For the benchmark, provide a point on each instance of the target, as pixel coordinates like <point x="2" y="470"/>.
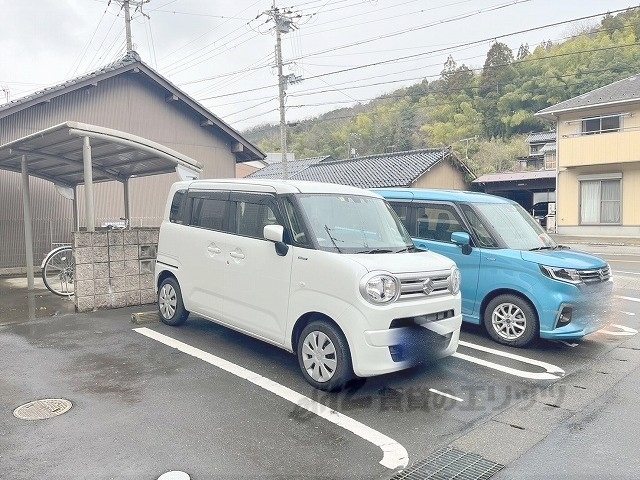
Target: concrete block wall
<point x="114" y="268"/>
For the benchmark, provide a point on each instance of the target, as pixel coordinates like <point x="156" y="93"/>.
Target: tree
<point x="523" y="51"/>
<point x="497" y="68"/>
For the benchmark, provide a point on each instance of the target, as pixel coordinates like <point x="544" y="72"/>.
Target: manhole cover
<point x="42" y="409"/>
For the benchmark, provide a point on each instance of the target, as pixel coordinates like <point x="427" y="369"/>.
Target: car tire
<point x="324" y="356"/>
<point x="170" y="305"/>
<point x="511" y="320"/>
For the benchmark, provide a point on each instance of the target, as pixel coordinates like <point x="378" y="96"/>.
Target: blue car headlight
<point x="568" y="275"/>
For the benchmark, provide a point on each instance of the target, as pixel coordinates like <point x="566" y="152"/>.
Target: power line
<point x="422" y="54"/>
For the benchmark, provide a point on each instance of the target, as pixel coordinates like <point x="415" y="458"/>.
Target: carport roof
<point x="56" y="154"/>
<point x="515" y="176"/>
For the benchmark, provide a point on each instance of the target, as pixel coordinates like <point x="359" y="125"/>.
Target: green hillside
<point x="484" y="114"/>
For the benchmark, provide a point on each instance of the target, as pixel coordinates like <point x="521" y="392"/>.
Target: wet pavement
<point x="19" y="304"/>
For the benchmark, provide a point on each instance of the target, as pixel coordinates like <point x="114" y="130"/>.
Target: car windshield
<point x="354" y="224"/>
<point x="514" y="226"/>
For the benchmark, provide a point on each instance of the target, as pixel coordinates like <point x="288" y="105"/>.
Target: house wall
<point x="129" y="102"/>
<point x="603" y="148"/>
<point x="442" y="175"/>
<point x="598" y="154"/>
<point x="568" y="201"/>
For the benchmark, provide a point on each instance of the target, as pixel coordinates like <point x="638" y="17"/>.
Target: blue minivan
<point x="515" y="279"/>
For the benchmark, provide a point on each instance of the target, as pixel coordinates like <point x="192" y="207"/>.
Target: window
<point x="401" y="210"/>
<point x="550" y="161"/>
<point x="251" y="218"/>
<point x="600" y="201"/>
<point x="298" y="233"/>
<point x="484" y="237"/>
<point x="609" y="123"/>
<point x="437" y="222"/>
<point x="208" y="213"/>
<point x="176" y="204"/>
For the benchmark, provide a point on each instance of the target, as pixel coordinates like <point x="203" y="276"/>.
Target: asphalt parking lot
<point x="149" y="399"/>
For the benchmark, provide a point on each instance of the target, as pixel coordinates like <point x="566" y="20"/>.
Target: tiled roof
<point x="549" y="147"/>
<point x="274" y="170"/>
<point x="400" y="169"/>
<point x="539" y="137"/>
<point x="622" y="91"/>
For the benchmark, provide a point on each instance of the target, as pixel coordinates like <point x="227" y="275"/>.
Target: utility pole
<point x="475" y="137"/>
<point x="281" y="93"/>
<point x="283" y="24"/>
<point x="127" y="17"/>
<point x="127" y="26"/>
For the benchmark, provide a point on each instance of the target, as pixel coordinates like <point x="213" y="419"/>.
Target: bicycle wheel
<point x="57" y="271"/>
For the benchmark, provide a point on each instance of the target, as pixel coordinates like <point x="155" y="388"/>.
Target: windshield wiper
<point x="333" y="240"/>
<point x="409" y="248"/>
<point x="376" y="250"/>
<point x="541" y="248"/>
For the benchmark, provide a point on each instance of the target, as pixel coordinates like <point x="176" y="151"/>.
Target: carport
<point x="72" y="154"/>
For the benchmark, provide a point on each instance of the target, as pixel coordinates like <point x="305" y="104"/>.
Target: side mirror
<point x="275" y="233"/>
<point x="462" y="239"/>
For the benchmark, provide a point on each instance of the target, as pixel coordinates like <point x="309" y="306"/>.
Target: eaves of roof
<point x="131" y="62"/>
<point x="618" y="93"/>
<point x="539" y="137"/>
<point x="514" y="176"/>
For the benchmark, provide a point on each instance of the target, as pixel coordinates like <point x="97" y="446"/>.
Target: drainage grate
<point x="42" y="409"/>
<point x="450" y="464"/>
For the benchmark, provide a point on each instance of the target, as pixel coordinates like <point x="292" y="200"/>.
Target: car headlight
<point x="454" y="280"/>
<point x="379" y="288"/>
<point x="568" y="275"/>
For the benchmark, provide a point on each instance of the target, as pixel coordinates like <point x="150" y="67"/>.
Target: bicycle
<point x="58" y="271"/>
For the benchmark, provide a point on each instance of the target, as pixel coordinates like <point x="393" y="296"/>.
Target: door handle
<point x="237" y="255"/>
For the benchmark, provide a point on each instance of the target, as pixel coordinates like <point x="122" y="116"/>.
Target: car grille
<point x="595" y="276"/>
<point x="424" y="284"/>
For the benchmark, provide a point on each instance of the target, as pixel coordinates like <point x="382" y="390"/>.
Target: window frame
<point x="583" y="179"/>
<point x="592" y="120"/>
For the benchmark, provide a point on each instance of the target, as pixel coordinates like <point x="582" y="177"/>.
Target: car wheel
<point x="324" y="357"/>
<point x="170" y="306"/>
<point x="511" y="320"/>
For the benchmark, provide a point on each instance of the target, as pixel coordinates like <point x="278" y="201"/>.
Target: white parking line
<point x="626" y="273"/>
<point x="624" y="331"/>
<point x="631" y="314"/>
<point x="631" y="299"/>
<point x="552" y="372"/>
<point x="394" y="454"/>
<point x="457" y="399"/>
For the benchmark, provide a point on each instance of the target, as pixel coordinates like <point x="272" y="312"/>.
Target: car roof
<point x="409" y="194"/>
<point x="271" y="185"/>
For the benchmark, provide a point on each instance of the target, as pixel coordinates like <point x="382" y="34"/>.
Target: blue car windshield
<point x="515" y="228"/>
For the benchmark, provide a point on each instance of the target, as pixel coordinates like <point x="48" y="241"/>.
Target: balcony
<point x="621" y="146"/>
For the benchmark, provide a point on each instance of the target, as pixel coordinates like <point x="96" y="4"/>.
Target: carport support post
<point x="76" y="220"/>
<point x="88" y="185"/>
<point x="28" y="232"/>
<point x="127" y="205"/>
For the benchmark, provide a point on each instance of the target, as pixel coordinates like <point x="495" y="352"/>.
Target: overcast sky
<point x="221" y="52"/>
